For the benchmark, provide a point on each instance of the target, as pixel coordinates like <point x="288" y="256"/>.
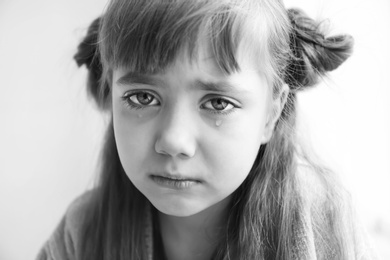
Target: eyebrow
<point x="215" y="86"/>
<point x="138" y="78"/>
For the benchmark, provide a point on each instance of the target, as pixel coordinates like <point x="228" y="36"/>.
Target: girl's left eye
<point x="141" y="99"/>
<point x="219" y="105"/>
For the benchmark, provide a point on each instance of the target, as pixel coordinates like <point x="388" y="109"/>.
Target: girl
<point x="200" y="159"/>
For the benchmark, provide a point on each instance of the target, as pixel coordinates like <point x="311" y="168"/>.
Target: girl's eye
<point x="141" y="99"/>
<point x="219" y="105"/>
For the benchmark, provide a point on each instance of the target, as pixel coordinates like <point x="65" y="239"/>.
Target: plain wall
<point x="50" y="134"/>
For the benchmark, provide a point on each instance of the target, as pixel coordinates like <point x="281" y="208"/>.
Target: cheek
<point x="133" y="142"/>
<point x="234" y="148"/>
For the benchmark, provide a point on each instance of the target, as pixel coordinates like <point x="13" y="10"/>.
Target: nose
<point x="175" y="135"/>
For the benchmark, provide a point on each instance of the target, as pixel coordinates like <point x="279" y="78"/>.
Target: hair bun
<point x="313" y="54"/>
<point x="88" y="54"/>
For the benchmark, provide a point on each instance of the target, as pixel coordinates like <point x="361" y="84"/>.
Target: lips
<point x="174" y="181"/>
<point x="177" y="177"/>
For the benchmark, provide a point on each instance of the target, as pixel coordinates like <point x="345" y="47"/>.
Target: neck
<point x="194" y="237"/>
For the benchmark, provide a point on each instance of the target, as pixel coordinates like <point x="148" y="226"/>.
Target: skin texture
<point x="166" y="124"/>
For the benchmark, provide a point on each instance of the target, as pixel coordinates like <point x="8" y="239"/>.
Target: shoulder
<point x="77" y="211"/>
<point x="322" y="193"/>
<point x="329" y="215"/>
<point x="65" y="241"/>
<point x="312" y="184"/>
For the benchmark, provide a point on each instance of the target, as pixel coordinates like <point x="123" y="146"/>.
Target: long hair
<point x="268" y="207"/>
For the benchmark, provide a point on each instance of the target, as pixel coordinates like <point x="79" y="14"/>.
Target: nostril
<point x="181" y="146"/>
<point x="161" y="152"/>
<point x="174" y="135"/>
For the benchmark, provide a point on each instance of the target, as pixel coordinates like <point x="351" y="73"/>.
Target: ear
<point x="276" y="108"/>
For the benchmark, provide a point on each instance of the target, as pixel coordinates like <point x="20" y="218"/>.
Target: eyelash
<point x="220" y="112"/>
<point x="126" y="98"/>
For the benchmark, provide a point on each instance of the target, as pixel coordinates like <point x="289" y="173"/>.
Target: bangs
<point x="146" y="36"/>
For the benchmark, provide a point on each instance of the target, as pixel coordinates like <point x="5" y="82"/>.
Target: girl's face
<point x="188" y="137"/>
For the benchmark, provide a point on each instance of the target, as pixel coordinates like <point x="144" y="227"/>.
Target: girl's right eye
<point x="140" y="99"/>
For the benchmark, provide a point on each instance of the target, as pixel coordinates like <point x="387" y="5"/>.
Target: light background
<point x="50" y="135"/>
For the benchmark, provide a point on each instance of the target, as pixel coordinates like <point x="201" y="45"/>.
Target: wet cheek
<point x="243" y="130"/>
<point x="233" y="149"/>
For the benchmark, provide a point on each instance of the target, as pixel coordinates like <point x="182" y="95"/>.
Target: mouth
<point x="174" y="181"/>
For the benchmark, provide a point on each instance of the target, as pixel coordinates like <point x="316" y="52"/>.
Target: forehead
<point x="204" y="60"/>
<point x="199" y="74"/>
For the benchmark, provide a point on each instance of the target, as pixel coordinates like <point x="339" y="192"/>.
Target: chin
<point x="177" y="209"/>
